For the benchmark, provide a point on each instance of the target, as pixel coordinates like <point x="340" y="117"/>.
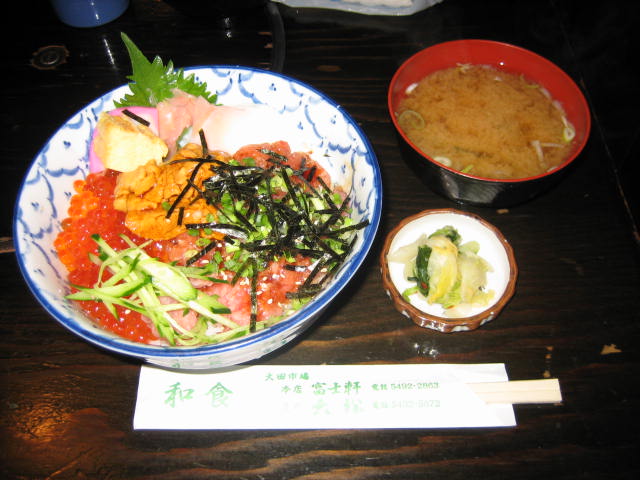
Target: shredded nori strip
<point x="274" y="156"/>
<point x="135" y="117"/>
<point x="203" y="143"/>
<point x="248" y="262"/>
<point x="349" y="228"/>
<point x="309" y="174"/>
<point x="186" y="188"/>
<point x="248" y="207"/>
<point x="201" y="253"/>
<point x="324" y="185"/>
<point x="229" y="228"/>
<point x="304" y="293"/>
<point x="316" y="270"/>
<point x="253" y="319"/>
<point x="295" y="268"/>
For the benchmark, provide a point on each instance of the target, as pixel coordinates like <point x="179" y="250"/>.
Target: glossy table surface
<point x="66" y="407"/>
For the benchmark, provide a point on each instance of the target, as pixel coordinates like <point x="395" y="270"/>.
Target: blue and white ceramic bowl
<point x="313" y="122"/>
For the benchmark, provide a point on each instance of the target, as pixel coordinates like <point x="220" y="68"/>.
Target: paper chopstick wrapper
<point x="335" y="396"/>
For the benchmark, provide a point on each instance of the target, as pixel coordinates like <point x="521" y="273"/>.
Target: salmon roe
<point x="91" y="212"/>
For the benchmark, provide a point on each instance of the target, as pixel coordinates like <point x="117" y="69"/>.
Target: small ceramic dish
<point x="494" y="248"/>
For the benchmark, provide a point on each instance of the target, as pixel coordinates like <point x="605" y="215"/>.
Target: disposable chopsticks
<point x="519" y="391"/>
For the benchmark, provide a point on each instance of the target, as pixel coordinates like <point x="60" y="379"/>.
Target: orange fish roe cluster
<point x="91" y="212"/>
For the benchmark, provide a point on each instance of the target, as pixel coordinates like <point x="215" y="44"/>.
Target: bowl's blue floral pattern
<point x="317" y="123"/>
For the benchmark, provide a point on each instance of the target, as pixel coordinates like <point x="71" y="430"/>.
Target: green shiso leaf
<point x="152" y="82"/>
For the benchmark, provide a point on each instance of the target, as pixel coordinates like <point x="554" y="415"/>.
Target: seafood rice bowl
<point x="266" y="126"/>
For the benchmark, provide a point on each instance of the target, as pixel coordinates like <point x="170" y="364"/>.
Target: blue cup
<point x="88" y="13"/>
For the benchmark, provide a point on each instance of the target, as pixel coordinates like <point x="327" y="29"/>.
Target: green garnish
<point x="152" y="82"/>
<point x="421" y="274"/>
<point x="138" y="281"/>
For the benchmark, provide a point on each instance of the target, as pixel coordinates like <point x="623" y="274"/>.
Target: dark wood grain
<point x="67" y="407"/>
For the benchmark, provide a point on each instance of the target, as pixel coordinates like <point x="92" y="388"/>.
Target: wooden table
<point x="67" y="407"/>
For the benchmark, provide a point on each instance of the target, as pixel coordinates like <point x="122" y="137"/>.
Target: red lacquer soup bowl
<point x="465" y="187"/>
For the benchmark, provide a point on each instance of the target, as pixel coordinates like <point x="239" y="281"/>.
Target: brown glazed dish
<point x="505" y="268"/>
